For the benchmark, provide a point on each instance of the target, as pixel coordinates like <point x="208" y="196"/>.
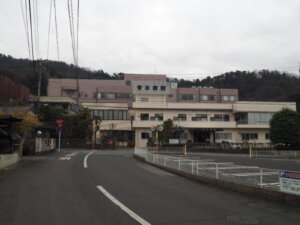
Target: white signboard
<point x="289" y="182"/>
<point x="173" y="141"/>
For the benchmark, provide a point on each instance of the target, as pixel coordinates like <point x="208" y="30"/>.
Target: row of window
<point x="183" y="117"/>
<point x="104" y="95"/>
<point x="110" y="114"/>
<point x="156" y="117"/>
<point x="154" y="87"/>
<point x="254" y="118"/>
<point x="223" y="136"/>
<point x="207" y="97"/>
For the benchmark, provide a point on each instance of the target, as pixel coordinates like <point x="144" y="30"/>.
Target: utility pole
<point x="39" y="86"/>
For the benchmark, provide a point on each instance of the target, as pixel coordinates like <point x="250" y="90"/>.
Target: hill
<point x="21" y="71"/>
<point x="261" y="85"/>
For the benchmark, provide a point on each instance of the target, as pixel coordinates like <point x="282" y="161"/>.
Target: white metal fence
<point x="276" y="154"/>
<point x="227" y="171"/>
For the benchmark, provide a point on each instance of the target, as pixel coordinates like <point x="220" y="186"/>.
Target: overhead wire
<point x="74" y="39"/>
<point x="56" y="30"/>
<point x="31" y="30"/>
<point x="25" y="22"/>
<point x="49" y="28"/>
<point x="36" y="27"/>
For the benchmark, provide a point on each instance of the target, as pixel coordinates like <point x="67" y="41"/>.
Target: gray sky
<point x="194" y="37"/>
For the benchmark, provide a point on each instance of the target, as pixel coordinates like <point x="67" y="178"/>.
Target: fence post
<point x="261" y="176"/>
<point x="217" y="171"/>
<point x="179" y="164"/>
<point x="197" y="168"/>
<point x="192" y="167"/>
<point x="164" y="160"/>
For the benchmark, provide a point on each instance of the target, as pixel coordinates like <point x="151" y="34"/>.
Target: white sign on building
<point x="173" y="141"/>
<point x="289" y="182"/>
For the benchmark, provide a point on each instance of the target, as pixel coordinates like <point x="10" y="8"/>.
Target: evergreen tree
<point x="285" y="127"/>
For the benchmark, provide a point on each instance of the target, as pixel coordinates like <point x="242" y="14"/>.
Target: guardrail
<point x="227" y="171"/>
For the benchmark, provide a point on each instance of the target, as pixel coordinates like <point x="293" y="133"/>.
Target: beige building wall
<point x="139" y="142"/>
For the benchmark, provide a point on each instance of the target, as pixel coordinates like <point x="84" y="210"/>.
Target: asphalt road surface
<point x="117" y="189"/>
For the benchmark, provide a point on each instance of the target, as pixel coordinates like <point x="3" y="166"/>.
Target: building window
<point x="182" y="117"/>
<point x="128" y="83"/>
<point x="223" y="136"/>
<point x="267" y="137"/>
<point x="154" y="88"/>
<point x="144" y="99"/>
<point x="162" y="88"/>
<point x="249" y="136"/>
<point x="159" y="117"/>
<point x="200" y="117"/>
<point x="144" y="116"/>
<point x="147" y="87"/>
<point x="114" y="95"/>
<point x="139" y="87"/>
<point x="220" y="117"/>
<point x="110" y="114"/>
<point x="208" y="97"/>
<point x="187" y="97"/>
<point x="259" y="117"/>
<point x="145" y="135"/>
<point x="228" y="97"/>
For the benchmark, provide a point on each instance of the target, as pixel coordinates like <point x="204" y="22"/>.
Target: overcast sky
<point x="192" y="37"/>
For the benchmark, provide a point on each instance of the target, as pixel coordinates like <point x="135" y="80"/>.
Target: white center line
<point x="85" y="159"/>
<point x="132" y="214"/>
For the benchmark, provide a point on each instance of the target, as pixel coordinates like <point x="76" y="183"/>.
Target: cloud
<point x="169" y="36"/>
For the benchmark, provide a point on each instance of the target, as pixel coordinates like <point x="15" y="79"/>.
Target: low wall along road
<point x="7" y="160"/>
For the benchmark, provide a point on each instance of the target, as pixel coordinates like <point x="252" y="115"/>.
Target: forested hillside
<point x="261" y="85"/>
<point x="21" y="71"/>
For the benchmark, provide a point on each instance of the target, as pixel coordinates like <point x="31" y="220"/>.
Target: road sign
<point x="59" y="122"/>
<point x="289" y="182"/>
<point x="59" y="129"/>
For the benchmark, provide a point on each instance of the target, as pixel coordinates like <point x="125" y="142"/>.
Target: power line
<point x="36" y="27"/>
<point x="74" y="39"/>
<point x="25" y="22"/>
<point x="77" y="29"/>
<point x="31" y="30"/>
<point x="56" y="29"/>
<point x="49" y="29"/>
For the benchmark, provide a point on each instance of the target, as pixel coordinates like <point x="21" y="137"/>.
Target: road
<point x="239" y="159"/>
<point x="115" y="189"/>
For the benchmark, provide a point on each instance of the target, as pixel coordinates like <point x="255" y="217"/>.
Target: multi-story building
<point x="127" y="109"/>
<point x="9" y="91"/>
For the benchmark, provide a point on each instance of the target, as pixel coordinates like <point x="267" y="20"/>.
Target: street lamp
<point x="156" y="129"/>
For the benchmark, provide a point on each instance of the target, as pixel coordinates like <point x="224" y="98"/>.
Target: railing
<point x="276" y="154"/>
<point x="227" y="171"/>
<point x="178" y="149"/>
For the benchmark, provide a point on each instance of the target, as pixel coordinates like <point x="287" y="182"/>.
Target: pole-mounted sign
<point x="59" y="129"/>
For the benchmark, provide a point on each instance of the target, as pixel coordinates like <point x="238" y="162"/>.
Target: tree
<point x="285" y="127"/>
<point x="169" y="131"/>
<point x="28" y="123"/>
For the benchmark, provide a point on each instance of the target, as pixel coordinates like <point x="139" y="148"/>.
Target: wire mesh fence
<point x="227" y="171"/>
